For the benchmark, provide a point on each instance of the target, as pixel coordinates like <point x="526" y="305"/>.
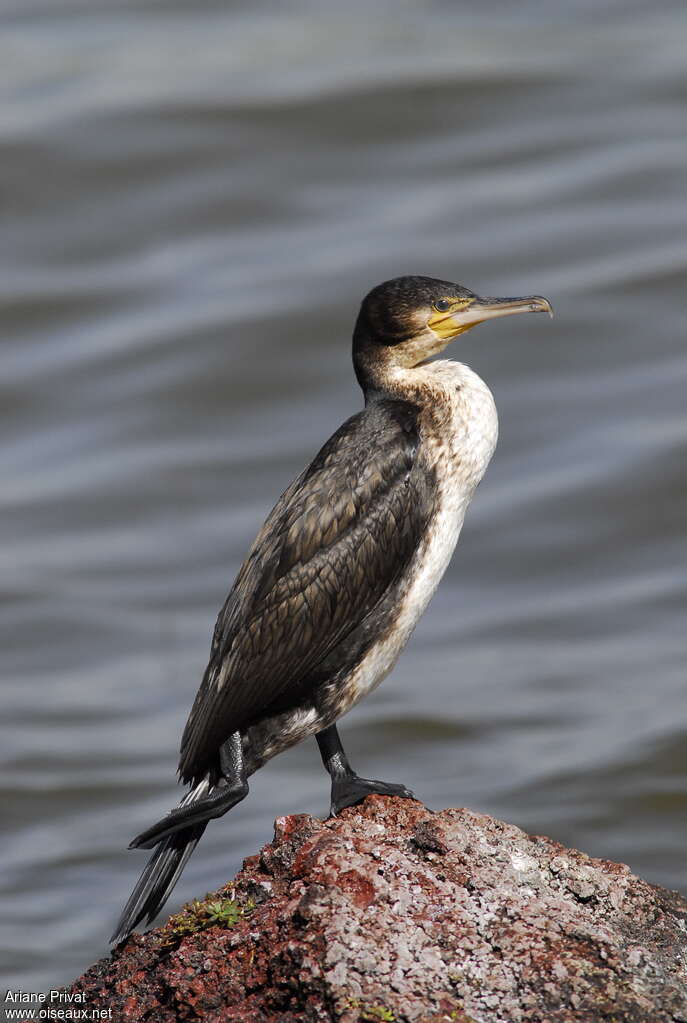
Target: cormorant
<point x="342" y="569"/>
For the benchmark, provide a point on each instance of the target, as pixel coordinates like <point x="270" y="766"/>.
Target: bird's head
<point x="407" y="320"/>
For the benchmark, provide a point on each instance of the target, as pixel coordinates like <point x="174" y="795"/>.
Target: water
<point x="195" y="200"/>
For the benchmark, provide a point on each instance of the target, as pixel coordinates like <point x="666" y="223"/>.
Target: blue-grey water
<point x="195" y="197"/>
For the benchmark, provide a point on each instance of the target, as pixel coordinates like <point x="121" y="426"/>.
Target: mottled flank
<point x="391" y="912"/>
<point x="334" y="544"/>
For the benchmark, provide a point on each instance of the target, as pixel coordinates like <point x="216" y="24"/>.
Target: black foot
<point x="200" y="812"/>
<point x="352" y="789"/>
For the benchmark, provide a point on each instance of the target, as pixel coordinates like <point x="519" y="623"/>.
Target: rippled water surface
<point x="195" y="198"/>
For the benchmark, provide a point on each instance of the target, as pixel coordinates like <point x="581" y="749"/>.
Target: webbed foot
<point x="349" y="790"/>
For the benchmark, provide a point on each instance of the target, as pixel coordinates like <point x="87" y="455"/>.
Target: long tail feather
<point x="161" y="873"/>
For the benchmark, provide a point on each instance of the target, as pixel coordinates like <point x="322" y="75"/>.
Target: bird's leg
<point x="231" y="763"/>
<point x="347" y="787"/>
<point x="232" y="785"/>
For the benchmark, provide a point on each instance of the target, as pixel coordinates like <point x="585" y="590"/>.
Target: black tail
<point x="162" y="871"/>
<point x="174" y="838"/>
<point x="159" y="876"/>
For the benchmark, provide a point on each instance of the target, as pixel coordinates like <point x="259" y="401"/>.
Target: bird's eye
<point x="442" y="305"/>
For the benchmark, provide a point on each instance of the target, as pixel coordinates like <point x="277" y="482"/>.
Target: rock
<point x="392" y="912"/>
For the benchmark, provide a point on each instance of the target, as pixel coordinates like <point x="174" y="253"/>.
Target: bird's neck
<point x="429" y="384"/>
<point x="457" y="415"/>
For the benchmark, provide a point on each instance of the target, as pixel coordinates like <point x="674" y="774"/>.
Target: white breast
<point x="460" y="450"/>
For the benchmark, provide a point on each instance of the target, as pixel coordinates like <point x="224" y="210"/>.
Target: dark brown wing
<point x="334" y="543"/>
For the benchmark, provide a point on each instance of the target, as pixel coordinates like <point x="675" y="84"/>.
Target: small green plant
<point x="225" y="912"/>
<point x="201" y="914"/>
<point x="377" y="1014"/>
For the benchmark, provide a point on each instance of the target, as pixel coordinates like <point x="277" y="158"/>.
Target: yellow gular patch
<point x="443" y="324"/>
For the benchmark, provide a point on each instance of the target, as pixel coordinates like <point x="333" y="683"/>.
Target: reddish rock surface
<point x="391" y="912"/>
